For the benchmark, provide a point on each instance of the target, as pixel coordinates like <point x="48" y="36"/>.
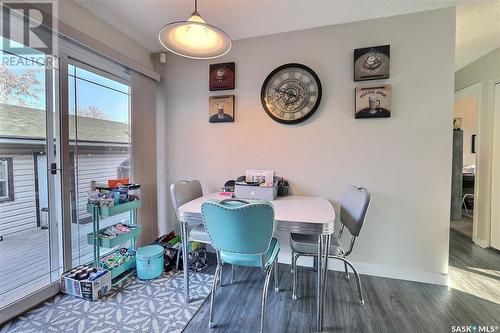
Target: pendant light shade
<point x="195" y="38"/>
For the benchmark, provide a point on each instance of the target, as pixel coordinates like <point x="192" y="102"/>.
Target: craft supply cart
<point x="126" y="269"/>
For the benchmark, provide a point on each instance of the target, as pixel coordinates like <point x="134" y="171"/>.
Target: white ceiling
<point x="478" y="28"/>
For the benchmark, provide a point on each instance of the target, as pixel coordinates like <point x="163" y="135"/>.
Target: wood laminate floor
<point x="391" y="305"/>
<point x="463" y="226"/>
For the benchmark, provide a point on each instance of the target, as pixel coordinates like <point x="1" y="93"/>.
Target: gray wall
<point x="405" y="161"/>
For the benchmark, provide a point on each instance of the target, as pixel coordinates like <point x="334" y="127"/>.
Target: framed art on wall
<point x="372" y="63"/>
<point x="222" y="76"/>
<point x="221" y="109"/>
<point x="373" y="102"/>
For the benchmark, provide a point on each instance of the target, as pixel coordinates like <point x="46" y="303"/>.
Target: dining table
<point x="312" y="215"/>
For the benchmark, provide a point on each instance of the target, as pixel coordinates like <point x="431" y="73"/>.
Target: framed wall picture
<point x="473" y="144"/>
<point x="221" y="109"/>
<point x="372" y="63"/>
<point x="373" y="102"/>
<point x="222" y="76"/>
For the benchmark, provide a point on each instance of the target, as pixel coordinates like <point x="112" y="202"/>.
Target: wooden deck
<point x="24" y="258"/>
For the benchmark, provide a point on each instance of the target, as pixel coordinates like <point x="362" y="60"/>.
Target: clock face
<point x="291" y="93"/>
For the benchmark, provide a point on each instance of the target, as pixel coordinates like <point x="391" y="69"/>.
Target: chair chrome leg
<point x="185" y="260"/>
<point x="232" y="274"/>
<point x="264" y="299"/>
<point x="178" y="260"/>
<point x="319" y="290"/>
<point x="465" y="205"/>
<point x="295" y="256"/>
<point x="212" y="300"/>
<point x="346" y="271"/>
<point x="325" y="268"/>
<point x="358" y="279"/>
<point x="276" y="281"/>
<point x="315" y="264"/>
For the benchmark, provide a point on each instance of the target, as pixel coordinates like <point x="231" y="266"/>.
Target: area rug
<point x="136" y="306"/>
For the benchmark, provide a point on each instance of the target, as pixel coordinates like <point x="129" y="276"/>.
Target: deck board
<point x="24" y="257"/>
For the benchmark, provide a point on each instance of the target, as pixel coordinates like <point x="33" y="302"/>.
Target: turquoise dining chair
<point x="242" y="234"/>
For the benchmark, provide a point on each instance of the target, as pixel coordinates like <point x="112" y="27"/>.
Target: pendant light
<point x="195" y="38"/>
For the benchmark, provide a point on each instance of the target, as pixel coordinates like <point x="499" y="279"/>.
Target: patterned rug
<point x="137" y="306"/>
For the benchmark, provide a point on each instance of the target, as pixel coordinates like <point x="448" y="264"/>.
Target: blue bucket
<point x="149" y="262"/>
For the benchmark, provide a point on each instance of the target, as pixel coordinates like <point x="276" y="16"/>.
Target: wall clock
<point x="291" y="93"/>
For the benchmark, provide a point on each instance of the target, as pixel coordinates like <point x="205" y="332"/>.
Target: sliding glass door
<point x="99" y="130"/>
<point x="30" y="209"/>
<point x="64" y="122"/>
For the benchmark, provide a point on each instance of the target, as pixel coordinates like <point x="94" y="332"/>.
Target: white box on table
<point x="256" y="192"/>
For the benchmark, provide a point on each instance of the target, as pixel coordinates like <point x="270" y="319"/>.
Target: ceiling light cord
<point x="195" y="8"/>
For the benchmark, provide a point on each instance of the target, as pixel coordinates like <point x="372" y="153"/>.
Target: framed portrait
<point x="457" y="123"/>
<point x="221" y="109"/>
<point x="373" y="102"/>
<point x="473" y="145"/>
<point x="372" y="63"/>
<point x="222" y="76"/>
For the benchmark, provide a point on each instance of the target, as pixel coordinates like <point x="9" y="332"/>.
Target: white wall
<point x="495" y="184"/>
<point x="20" y="214"/>
<point x="405" y="161"/>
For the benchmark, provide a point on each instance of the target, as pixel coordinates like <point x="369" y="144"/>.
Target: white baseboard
<point x="378" y="270"/>
<point x="480" y="242"/>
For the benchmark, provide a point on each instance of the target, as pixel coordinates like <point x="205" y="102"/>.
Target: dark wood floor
<point x="391" y="305"/>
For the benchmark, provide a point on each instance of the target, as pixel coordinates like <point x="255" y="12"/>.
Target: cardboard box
<point x="89" y="290"/>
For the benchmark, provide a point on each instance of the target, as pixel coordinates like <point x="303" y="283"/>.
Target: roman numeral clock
<point x="291" y="93"/>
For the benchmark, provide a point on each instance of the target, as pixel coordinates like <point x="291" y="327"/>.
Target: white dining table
<point x="298" y="214"/>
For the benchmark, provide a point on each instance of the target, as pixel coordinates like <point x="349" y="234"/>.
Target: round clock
<point x="291" y="93"/>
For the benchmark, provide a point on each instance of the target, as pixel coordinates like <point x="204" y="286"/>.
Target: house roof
<point x="28" y="123"/>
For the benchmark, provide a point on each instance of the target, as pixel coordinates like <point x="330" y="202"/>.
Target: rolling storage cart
<point x="126" y="269"/>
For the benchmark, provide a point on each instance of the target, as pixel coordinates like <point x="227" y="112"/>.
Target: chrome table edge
<point x="285" y="226"/>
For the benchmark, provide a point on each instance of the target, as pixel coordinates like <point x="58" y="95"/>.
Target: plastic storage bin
<point x="117" y="240"/>
<point x="149" y="261"/>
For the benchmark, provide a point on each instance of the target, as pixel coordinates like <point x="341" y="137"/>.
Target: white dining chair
<point x="354" y="206"/>
<point x="182" y="192"/>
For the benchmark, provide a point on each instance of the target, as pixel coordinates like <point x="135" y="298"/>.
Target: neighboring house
<point x="99" y="150"/>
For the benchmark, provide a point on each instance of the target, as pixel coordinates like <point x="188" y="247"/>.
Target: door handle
<point x="53" y="168"/>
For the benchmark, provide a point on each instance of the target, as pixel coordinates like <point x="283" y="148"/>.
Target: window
<point x="100" y="145"/>
<point x="6" y="179"/>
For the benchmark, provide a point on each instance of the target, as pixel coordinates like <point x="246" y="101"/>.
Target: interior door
<point x="495" y="186"/>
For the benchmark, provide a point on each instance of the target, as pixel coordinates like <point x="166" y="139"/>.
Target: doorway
<point x="465" y="153"/>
